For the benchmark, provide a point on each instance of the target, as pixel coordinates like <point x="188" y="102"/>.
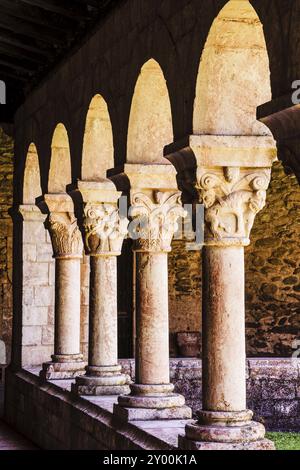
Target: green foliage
<point x="285" y="440"/>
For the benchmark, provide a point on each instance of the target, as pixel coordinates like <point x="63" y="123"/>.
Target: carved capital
<point x="104" y="229"/>
<point x="232" y="197"/>
<point x="155" y="220"/>
<point x="65" y="235"/>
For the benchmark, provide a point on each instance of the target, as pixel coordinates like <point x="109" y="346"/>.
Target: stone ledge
<point x="53" y="418"/>
<point x="50" y="416"/>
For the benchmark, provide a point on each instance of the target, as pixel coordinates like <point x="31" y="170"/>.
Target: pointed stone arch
<point x="150" y="123"/>
<point x="234" y="74"/>
<point x="60" y="173"/>
<point x="98" y="147"/>
<point x="32" y="178"/>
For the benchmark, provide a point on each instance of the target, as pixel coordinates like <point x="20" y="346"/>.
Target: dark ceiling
<point x="35" y="35"/>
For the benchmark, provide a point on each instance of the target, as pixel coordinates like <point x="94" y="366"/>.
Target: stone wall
<point x="38" y="289"/>
<point x="273" y="271"/>
<point x="6" y="194"/>
<point x="273" y="392"/>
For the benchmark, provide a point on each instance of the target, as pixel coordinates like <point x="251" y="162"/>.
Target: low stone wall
<point x="273" y="388"/>
<point x="53" y="418"/>
<point x="50" y="416"/>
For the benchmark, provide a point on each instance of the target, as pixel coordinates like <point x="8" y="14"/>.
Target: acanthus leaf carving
<point x="232" y="197"/>
<point x="155" y="220"/>
<point x="104" y="229"/>
<point x="65" y="235"/>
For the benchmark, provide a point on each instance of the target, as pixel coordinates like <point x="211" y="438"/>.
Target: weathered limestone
<point x="35" y="306"/>
<point x="104" y="232"/>
<point x="155" y="210"/>
<point x="232" y="176"/>
<point x="67" y="361"/>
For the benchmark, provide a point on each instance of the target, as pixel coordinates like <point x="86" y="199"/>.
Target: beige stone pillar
<point x="154" y="212"/>
<point x="223" y="324"/>
<point x="67" y="361"/>
<point x="152" y="326"/>
<point x="31" y="311"/>
<point x="104" y="232"/>
<point x="233" y="174"/>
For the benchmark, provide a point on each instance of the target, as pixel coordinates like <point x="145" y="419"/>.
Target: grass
<point x="285" y="440"/>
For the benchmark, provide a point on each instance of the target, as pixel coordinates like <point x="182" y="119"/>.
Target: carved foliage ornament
<point x="155" y="220"/>
<point x="65" y="235"/>
<point x="232" y="197"/>
<point x="104" y="229"/>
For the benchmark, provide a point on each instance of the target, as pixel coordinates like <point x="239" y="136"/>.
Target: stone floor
<point x="11" y="440"/>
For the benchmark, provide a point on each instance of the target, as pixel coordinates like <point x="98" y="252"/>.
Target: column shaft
<point x="152" y="348"/>
<point x="104" y="232"/>
<point x="224" y="357"/>
<point x="67" y="307"/>
<point x="103" y="336"/>
<point x="152" y="395"/>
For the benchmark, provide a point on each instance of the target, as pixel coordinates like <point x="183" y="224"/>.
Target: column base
<point x="151" y="402"/>
<point x="187" y="444"/>
<point x="217" y="430"/>
<point x="103" y="380"/>
<point x="63" y="367"/>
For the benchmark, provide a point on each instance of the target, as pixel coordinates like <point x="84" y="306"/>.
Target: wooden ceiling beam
<point x="18" y="53"/>
<point x="7" y="37"/>
<point x="39" y="33"/>
<point x="16" y="10"/>
<point x="20" y="68"/>
<point x="6" y="75"/>
<point x="92" y="3"/>
<point x="61" y="8"/>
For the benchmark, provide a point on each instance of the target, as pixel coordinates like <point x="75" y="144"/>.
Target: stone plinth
<point x="62" y="370"/>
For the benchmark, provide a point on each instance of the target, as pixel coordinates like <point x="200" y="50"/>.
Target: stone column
<point x="155" y="215"/>
<point x="232" y="196"/>
<point x="104" y="232"/>
<point x="230" y="176"/>
<point x="67" y="361"/>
